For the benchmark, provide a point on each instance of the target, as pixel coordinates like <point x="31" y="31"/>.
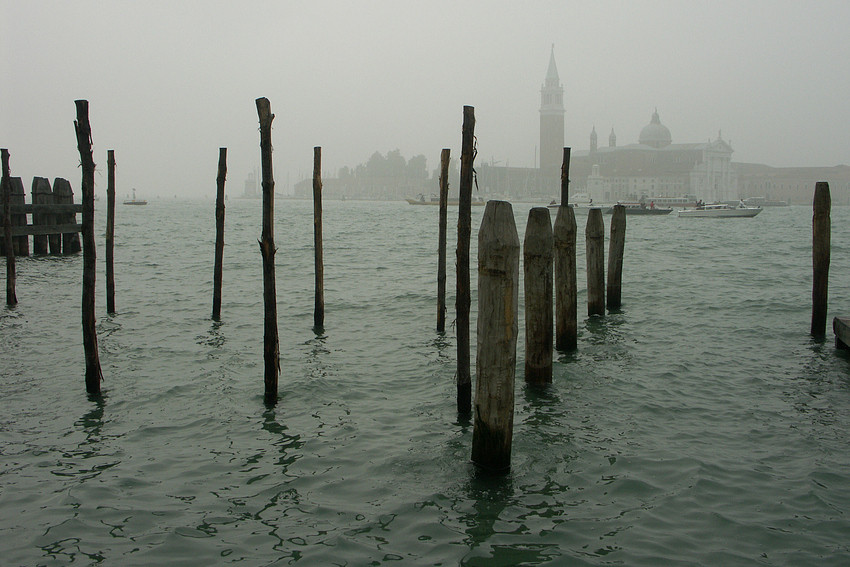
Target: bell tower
<point x="552" y="119"/>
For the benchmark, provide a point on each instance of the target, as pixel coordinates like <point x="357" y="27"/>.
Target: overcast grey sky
<point x="171" y="82"/>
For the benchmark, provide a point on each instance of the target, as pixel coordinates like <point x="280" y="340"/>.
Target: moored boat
<point x="641" y="209"/>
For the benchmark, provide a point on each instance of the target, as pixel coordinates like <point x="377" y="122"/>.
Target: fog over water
<point x="170" y="83"/>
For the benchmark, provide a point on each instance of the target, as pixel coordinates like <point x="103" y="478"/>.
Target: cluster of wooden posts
<point x="549" y="260"/>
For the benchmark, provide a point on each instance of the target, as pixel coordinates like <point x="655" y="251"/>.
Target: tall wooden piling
<point x="63" y="194"/>
<point x="595" y="242"/>
<point x="565" y="178"/>
<point x="616" y="247"/>
<point x="110" y="232"/>
<point x="220" y="178"/>
<point x="537" y="254"/>
<point x="566" y="285"/>
<point x="495" y="361"/>
<point x="464" y="229"/>
<point x="318" y="256"/>
<point x="41" y="195"/>
<point x="8" y="246"/>
<point x="271" y="346"/>
<point x="18" y="197"/>
<point x="83" y="129"/>
<point x="441" y="247"/>
<point x="820" y="256"/>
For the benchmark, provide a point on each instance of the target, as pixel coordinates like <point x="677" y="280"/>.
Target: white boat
<point x="135" y="201"/>
<point x="720" y="211"/>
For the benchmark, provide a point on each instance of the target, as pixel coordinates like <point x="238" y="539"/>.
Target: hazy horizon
<point x="170" y="83"/>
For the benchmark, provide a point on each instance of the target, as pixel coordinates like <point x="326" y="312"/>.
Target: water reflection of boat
<point x="434" y="200"/>
<point x="721" y="210"/>
<point x="641" y="209"/>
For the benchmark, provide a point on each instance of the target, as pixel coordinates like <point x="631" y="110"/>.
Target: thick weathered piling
<point x="63" y="194"/>
<point x="110" y="231"/>
<point x="18" y="197"/>
<point x="464" y="230"/>
<point x="83" y="129"/>
<point x="220" y="178"/>
<point x="495" y="362"/>
<point x="565" y="178"/>
<point x="441" y="246"/>
<point x="318" y="255"/>
<point x="595" y="242"/>
<point x="8" y="246"/>
<point x="820" y="256"/>
<point x="41" y="195"/>
<point x="616" y="246"/>
<point x="271" y="346"/>
<point x="566" y="288"/>
<point x="537" y="255"/>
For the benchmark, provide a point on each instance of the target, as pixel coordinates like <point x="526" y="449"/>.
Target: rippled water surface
<point x="699" y="425"/>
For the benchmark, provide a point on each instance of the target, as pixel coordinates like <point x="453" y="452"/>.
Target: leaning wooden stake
<point x="537" y="252"/>
<point x="441" y="247"/>
<point x="495" y="362"/>
<point x="319" y="304"/>
<point x="220" y="178"/>
<point x="566" y="289"/>
<point x="820" y="256"/>
<point x="464" y="230"/>
<point x="110" y="232"/>
<point x="565" y="178"/>
<point x="595" y="241"/>
<point x="616" y="246"/>
<point x="83" y="129"/>
<point x="9" y="248"/>
<point x="271" y="347"/>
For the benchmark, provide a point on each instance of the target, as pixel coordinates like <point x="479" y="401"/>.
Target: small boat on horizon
<point x="135" y="201"/>
<point x="421" y="200"/>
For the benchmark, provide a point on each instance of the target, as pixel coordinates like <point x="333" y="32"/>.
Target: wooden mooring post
<point x="463" y="299"/>
<point x="616" y="247"/>
<point x="110" y="231"/>
<point x="441" y="246"/>
<point x="537" y="254"/>
<point x="220" y="179"/>
<point x="8" y="246"/>
<point x="18" y="199"/>
<point x="271" y="346"/>
<point x="63" y="194"/>
<point x="318" y="253"/>
<point x="41" y="195"/>
<point x="566" y="284"/>
<point x="495" y="361"/>
<point x="821" y="229"/>
<point x="595" y="245"/>
<point x="83" y="130"/>
<point x="565" y="178"/>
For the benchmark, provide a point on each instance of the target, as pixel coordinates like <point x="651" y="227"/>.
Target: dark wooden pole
<point x="62" y="193"/>
<point x="271" y="346"/>
<point x="220" y="178"/>
<point x="83" y="129"/>
<point x="110" y="232"/>
<point x="565" y="178"/>
<point x="41" y="195"/>
<point x="441" y="247"/>
<point x="18" y="197"/>
<point x="595" y="242"/>
<point x="820" y="256"/>
<point x="9" y="247"/>
<point x="566" y="289"/>
<point x="537" y="253"/>
<point x="616" y="247"/>
<point x="495" y="362"/>
<point x="319" y="305"/>
<point x="464" y="230"/>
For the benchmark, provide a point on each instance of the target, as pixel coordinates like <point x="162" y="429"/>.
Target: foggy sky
<point x="170" y="82"/>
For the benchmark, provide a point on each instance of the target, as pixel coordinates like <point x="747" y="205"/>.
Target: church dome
<point x="655" y="133"/>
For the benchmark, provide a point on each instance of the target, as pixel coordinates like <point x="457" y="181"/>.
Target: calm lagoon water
<point x="699" y="425"/>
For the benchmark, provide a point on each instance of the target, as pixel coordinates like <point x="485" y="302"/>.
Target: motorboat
<point x="720" y="210"/>
<point x="641" y="209"/>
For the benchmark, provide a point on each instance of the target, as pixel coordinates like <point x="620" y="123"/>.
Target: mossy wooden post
<point x="565" y="178"/>
<point x="441" y="246"/>
<point x="41" y="195"/>
<point x="63" y="194"/>
<point x="820" y="256"/>
<point x="83" y="129"/>
<point x="537" y="253"/>
<point x="18" y="197"/>
<point x="616" y="247"/>
<point x="8" y="246"/>
<point x="464" y="230"/>
<point x="595" y="242"/>
<point x="110" y="231"/>
<point x="318" y="255"/>
<point x="566" y="285"/>
<point x="271" y="346"/>
<point x="220" y="178"/>
<point x="495" y="362"/>
<point x="54" y="241"/>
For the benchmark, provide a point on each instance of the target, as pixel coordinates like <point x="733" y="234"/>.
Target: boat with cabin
<point x="720" y="210"/>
